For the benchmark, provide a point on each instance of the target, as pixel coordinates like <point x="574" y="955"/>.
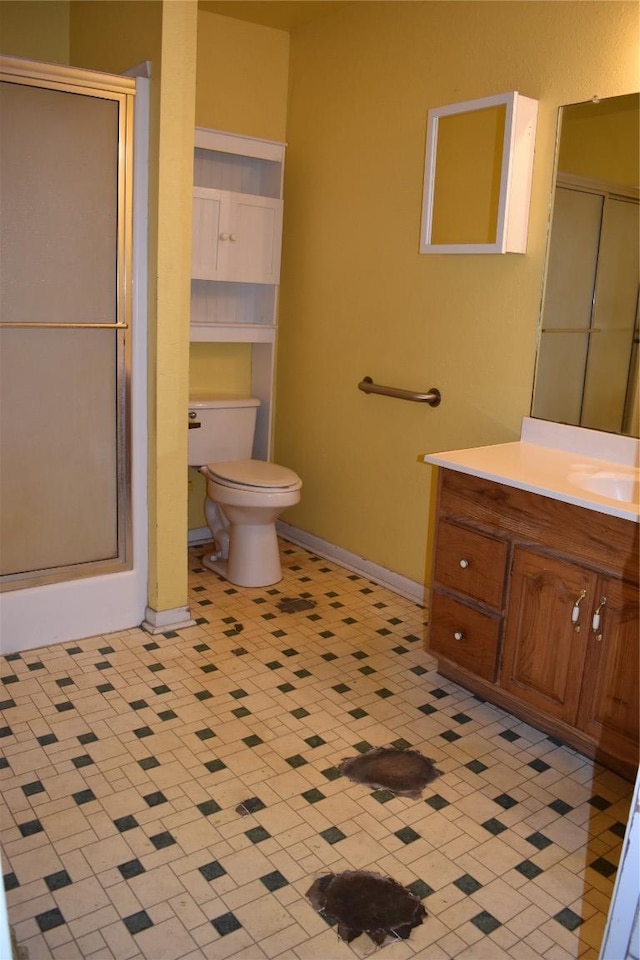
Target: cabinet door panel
<point x="544" y="649"/>
<point x="610" y="707"/>
<point x="466" y="636"/>
<point x="255" y="239"/>
<point x="207" y="226"/>
<point x="471" y="563"/>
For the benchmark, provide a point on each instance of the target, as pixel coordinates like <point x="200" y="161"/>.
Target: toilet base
<point x="254" y="556"/>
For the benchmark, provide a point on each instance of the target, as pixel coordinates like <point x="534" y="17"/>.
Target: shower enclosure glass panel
<point x="64" y="164"/>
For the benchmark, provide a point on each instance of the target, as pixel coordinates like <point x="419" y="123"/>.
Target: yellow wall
<point x="357" y="299"/>
<point x="36" y="29"/>
<point x="602" y="140"/>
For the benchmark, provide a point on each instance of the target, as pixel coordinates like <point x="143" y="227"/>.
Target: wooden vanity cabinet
<point x="534" y="607"/>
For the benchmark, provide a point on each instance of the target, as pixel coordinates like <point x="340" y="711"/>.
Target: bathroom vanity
<point x="534" y="588"/>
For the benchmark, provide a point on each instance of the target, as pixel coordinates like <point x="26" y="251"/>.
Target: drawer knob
<point x="458" y="635"/>
<point x="464" y="564"/>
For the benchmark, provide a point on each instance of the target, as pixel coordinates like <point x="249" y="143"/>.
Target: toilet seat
<point x="253" y="475"/>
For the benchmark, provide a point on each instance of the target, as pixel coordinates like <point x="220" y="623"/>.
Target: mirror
<point x="587" y="368"/>
<point x="477" y="182"/>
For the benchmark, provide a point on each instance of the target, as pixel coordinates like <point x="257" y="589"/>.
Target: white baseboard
<point x="161" y="621"/>
<point x="410" y="589"/>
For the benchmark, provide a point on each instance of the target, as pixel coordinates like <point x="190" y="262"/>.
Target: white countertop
<point x="543" y="460"/>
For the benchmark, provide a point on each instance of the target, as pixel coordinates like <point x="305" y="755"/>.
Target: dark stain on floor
<point x="404" y="772"/>
<point x="363" y="902"/>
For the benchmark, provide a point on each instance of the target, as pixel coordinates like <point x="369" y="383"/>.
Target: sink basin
<point x="622" y="485"/>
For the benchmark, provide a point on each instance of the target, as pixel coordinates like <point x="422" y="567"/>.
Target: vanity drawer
<point x="471" y="563"/>
<point x="464" y="635"/>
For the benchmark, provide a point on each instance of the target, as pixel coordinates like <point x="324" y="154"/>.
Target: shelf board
<point x="232" y="333"/>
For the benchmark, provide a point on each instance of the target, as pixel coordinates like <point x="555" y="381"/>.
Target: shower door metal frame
<point x="121" y="90"/>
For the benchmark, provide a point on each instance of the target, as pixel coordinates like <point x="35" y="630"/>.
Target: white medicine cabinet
<point x="477" y="180"/>
<point x="237" y="239"/>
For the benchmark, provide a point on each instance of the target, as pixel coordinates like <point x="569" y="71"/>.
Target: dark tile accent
<point x="438" y="693"/>
<point x="314" y="741"/>
<point x="332" y="835"/>
<point x="559" y="806"/>
<point x="253" y="740"/>
<point x="155" y="799"/>
<point x="476" y="766"/>
<point x="274" y="881"/>
<point x="103" y="665"/>
<point x="302" y="674"/>
<point x="151" y="646"/>
<point x="341" y="688"/>
<point x="568" y="919"/>
<point x="213" y="870"/>
<point x="493" y="826"/>
<point x="467" y="884"/>
<point x="509" y="735"/>
<point x="226" y="923"/>
<point x="10" y="678"/>
<point x="65" y="682"/>
<point x="437" y="802"/>
<point x="7" y="704"/>
<point x="167" y="715"/>
<point x="400" y="744"/>
<point x="132" y="868"/>
<point x="603" y="867"/>
<point x="366" y="671"/>
<point x="383" y="796"/>
<point x="407" y="835"/>
<point x="327" y="656"/>
<point x="539" y="765"/>
<point x="383" y="693"/>
<point x="208" y="807"/>
<point x="50" y="919"/>
<point x="29" y="789"/>
<point x="257" y="834"/>
<point x="209" y="668"/>
<point x="84" y="760"/>
<point x="363" y="746"/>
<point x="331" y="773"/>
<point x="214" y="766"/>
<point x="619" y="829"/>
<point x="313" y="795"/>
<point x="170" y="635"/>
<point x="203" y="695"/>
<point x="400" y="650"/>
<point x="205" y="734"/>
<point x="420" y="889"/>
<point x="505" y="801"/>
<point x="55" y="881"/>
<point x="274" y="665"/>
<point x="358" y="713"/>
<point x="299" y="713"/>
<point x="450" y="736"/>
<point x="163" y="688"/>
<point x="251" y="805"/>
<point x="240" y="712"/>
<point x="360" y="654"/>
<point x="238" y="694"/>
<point x="149" y="763"/>
<point x="105" y="651"/>
<point x="485" y="922"/>
<point x="122" y="824"/>
<point x="105" y="688"/>
<point x="64" y="707"/>
<point x="286" y="687"/>
<point x="30" y="827"/>
<point x="461" y="718"/>
<point x="427" y="709"/>
<point x="419" y="671"/>
<point x="538" y="840"/>
<point x="5" y="732"/>
<point x="156" y="667"/>
<point x="239" y="652"/>
<point x="528" y="869"/>
<point x="85" y="738"/>
<point x="74" y="651"/>
<point x="138" y="922"/>
<point x="83" y="796"/>
<point x="47" y="739"/>
<point x="296" y="761"/>
<point x="600" y="803"/>
<point x="326" y="634"/>
<point x="4" y="763"/>
<point x="162" y="840"/>
<point x="142" y="732"/>
<point x="10" y="881"/>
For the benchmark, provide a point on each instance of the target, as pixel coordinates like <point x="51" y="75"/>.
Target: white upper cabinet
<point x="236" y="236"/>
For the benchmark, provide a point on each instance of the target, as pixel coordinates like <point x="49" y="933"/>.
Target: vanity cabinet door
<point x="546" y="632"/>
<point x="610" y="707"/>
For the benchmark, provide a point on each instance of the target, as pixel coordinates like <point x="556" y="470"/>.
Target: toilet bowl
<point x="244" y="496"/>
<point x="244" y="500"/>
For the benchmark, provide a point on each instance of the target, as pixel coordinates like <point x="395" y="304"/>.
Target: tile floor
<point x="176" y="796"/>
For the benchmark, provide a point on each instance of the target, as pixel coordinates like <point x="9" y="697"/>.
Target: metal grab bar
<point x="433" y="397"/>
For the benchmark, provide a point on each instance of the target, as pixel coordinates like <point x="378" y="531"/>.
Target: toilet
<point x="244" y="497"/>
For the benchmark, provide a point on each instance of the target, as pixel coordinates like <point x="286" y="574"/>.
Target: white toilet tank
<point x="221" y="429"/>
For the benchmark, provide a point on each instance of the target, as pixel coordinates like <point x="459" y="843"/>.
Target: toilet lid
<point x="254" y="473"/>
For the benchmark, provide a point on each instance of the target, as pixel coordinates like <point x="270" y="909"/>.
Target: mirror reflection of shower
<point x="587" y="369"/>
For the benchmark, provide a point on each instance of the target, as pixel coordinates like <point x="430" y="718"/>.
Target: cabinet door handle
<point x="458" y="635"/>
<point x="464" y="564"/>
<point x="233" y="237"/>
<point x="595" y="622"/>
<point x="575" y="611"/>
<point x="224" y="236"/>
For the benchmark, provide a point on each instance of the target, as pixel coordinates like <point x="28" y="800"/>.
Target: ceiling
<point x="279" y="14"/>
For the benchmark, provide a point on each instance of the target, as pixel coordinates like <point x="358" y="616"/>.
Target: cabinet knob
<point x="464" y="564"/>
<point x="233" y="237"/>
<point x="224" y="236"/>
<point x="458" y="635"/>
